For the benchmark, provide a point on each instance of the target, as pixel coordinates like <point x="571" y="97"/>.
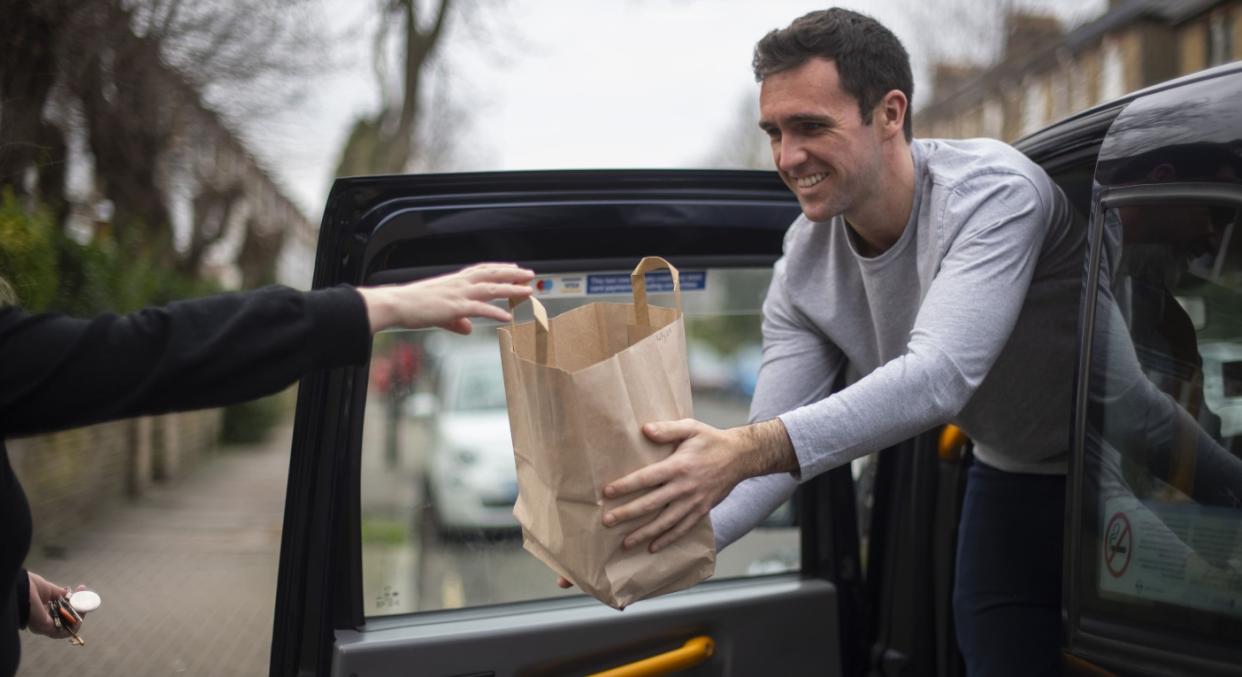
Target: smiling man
<point x="938" y="281"/>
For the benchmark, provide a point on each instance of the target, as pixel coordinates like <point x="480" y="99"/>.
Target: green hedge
<point x="28" y="252"/>
<point x="115" y="272"/>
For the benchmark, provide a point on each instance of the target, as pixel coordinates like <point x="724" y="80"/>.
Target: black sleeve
<point x="22" y="597"/>
<point x="58" y="372"/>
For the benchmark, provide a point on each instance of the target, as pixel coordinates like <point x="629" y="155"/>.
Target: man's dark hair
<point x="869" y="58"/>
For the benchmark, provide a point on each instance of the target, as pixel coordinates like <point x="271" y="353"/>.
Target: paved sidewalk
<point x="187" y="574"/>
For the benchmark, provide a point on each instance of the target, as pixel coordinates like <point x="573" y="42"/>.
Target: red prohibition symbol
<point x="1118" y="544"/>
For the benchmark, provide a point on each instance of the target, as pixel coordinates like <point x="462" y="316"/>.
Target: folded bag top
<point x="579" y="387"/>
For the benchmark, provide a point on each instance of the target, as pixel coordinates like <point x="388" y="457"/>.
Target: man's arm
<point x="965" y="320"/>
<point x="707" y="465"/>
<point x="799" y="365"/>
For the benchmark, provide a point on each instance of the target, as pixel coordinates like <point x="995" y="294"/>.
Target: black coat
<point x="58" y="372"/>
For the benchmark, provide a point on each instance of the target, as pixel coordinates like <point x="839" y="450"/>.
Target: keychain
<point x="67" y="612"/>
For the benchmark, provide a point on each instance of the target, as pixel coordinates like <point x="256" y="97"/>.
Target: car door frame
<point x="1116" y="642"/>
<point x="319" y="592"/>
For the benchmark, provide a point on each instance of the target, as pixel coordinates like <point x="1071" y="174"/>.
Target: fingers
<point x="563" y="582"/>
<point x="487" y="291"/>
<point x="645" y="478"/>
<point x="498" y="272"/>
<point x="640" y="507"/>
<point x="460" y="325"/>
<point x="676" y="519"/>
<point x="666" y="432"/>
<point x="683" y="527"/>
<point x="481" y="309"/>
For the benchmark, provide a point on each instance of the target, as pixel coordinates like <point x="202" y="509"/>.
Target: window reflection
<point x="1164" y="477"/>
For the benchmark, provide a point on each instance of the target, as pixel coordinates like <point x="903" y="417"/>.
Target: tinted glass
<point x="1164" y="424"/>
<point x="438" y="473"/>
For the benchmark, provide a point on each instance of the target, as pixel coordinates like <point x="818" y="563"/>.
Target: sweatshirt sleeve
<point x="22" y="597"/>
<point x="799" y="366"/>
<point x="964" y="321"/>
<point x="60" y="372"/>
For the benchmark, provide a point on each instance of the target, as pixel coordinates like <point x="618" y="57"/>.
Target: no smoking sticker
<point x="1118" y="545"/>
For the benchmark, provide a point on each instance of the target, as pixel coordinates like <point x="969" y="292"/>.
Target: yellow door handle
<point x="952" y="443"/>
<point x="694" y="651"/>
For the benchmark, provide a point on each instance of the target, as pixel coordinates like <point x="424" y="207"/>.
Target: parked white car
<point x="471" y="476"/>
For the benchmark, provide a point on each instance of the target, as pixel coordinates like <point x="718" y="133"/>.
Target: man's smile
<point x="809" y="180"/>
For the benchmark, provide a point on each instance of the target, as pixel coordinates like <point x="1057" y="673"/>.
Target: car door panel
<point x="1162" y="294"/>
<point x="390" y="229"/>
<point x="581" y="636"/>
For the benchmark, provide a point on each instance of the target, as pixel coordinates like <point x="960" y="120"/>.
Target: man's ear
<point x="891" y="113"/>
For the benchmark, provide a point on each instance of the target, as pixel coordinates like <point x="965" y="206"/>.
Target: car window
<point x="438" y="475"/>
<point x="1162" y="525"/>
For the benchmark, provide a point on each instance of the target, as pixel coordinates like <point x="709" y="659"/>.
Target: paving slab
<point x="187" y="574"/>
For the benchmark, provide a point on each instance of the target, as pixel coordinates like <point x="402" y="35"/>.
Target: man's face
<point x="822" y="149"/>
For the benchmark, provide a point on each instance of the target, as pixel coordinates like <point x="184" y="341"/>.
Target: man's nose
<point x="790" y="154"/>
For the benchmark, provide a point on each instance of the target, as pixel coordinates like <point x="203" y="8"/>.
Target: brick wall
<point x="71" y="476"/>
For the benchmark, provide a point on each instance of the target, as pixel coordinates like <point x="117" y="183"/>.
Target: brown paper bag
<point x="579" y="387"/>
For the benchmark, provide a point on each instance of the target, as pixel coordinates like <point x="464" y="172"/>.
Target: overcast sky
<point x="571" y="83"/>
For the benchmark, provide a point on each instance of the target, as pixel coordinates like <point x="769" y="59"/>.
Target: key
<point x="66" y="618"/>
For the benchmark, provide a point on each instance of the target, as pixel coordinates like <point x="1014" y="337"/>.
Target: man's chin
<point x="818" y="212"/>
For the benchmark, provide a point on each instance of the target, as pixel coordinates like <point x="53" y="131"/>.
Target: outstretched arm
<point x="61" y="372"/>
<point x="448" y="301"/>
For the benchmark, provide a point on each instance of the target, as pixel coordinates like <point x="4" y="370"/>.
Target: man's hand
<point x="705" y="466"/>
<point x="447" y="301"/>
<point x="41" y="592"/>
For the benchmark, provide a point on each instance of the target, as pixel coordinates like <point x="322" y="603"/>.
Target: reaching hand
<point x="703" y="468"/>
<point x="41" y="592"/>
<point x="682" y="488"/>
<point x="447" y="301"/>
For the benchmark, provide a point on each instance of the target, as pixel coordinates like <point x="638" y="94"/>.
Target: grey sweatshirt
<point x="968" y="318"/>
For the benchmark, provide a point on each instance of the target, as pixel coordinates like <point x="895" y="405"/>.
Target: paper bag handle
<point x="541" y="325"/>
<point x="638" y="282"/>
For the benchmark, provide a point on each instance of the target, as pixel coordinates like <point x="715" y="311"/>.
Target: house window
<point x="993" y="118"/>
<point x="1034" y="107"/>
<point x="1112" y="73"/>
<point x="1219" y="43"/>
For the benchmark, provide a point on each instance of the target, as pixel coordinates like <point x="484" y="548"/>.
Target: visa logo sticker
<point x="558" y="285"/>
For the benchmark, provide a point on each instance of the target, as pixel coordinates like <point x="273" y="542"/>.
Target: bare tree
<point x="160" y="84"/>
<point x="29" y="41"/>
<point x="384" y="142"/>
<point x="248" y="58"/>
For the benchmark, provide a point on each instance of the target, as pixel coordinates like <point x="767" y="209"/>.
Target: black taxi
<point x="857" y="579"/>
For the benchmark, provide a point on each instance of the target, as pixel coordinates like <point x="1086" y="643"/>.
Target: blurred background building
<point x="1046" y="73"/>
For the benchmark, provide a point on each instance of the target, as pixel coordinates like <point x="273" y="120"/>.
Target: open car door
<point x="400" y="554"/>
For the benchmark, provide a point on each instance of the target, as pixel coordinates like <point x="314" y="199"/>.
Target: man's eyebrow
<point x="798" y="118"/>
<point x="810" y="117"/>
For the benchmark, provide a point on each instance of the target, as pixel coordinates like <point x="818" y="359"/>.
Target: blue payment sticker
<point x="657" y="282"/>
